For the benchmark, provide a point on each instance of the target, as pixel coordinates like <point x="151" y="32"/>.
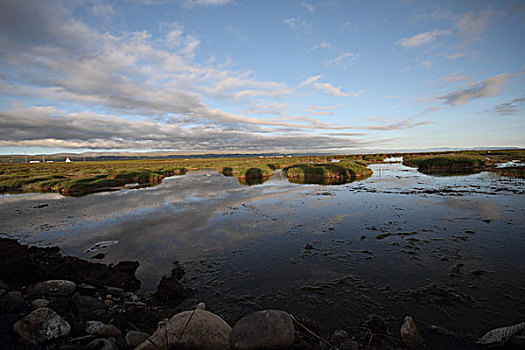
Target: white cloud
<point x="308" y="6"/>
<point x="154" y="80"/>
<point x="296" y="23"/>
<point x="103" y="10"/>
<point x="452" y="78"/>
<point x="327" y="88"/>
<point x="422" y="38"/>
<point x="455" y="56"/>
<point x="342" y="60"/>
<point x="321" y="110"/>
<point x="487" y="88"/>
<point x="508" y="108"/>
<point x="472" y="25"/>
<point x="321" y="45"/>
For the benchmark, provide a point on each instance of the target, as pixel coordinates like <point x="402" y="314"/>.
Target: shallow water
<point x="445" y="250"/>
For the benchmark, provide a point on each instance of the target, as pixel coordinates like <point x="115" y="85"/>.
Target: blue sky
<point x="260" y="76"/>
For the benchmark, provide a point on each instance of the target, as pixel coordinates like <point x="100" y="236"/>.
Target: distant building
<point x="68" y="160"/>
<point x="34" y="161"/>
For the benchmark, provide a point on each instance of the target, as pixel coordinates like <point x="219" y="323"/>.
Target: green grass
<point x="447" y="162"/>
<point x="81" y="178"/>
<point x="343" y="171"/>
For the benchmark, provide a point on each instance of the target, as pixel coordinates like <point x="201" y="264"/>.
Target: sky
<point x="244" y="76"/>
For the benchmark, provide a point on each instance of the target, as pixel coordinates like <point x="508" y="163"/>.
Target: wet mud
<point x="445" y="250"/>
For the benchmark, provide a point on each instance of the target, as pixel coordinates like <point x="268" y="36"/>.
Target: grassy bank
<point x="447" y="162"/>
<point x="343" y="171"/>
<point x="81" y="178"/>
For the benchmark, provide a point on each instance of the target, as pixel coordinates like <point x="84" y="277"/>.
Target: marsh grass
<point x="328" y="173"/>
<point x="447" y="162"/>
<point x="81" y="178"/>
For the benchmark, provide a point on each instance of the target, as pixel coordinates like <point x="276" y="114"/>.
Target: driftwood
<point x="500" y="336"/>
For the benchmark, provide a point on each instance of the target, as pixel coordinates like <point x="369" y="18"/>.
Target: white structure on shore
<point x="68" y="160"/>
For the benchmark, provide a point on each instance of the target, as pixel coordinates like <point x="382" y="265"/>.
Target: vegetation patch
<point x="344" y="171"/>
<point x="447" y="162"/>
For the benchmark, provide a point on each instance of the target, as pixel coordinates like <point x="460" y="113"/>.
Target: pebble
<point x="201" y="306"/>
<point x="114" y="291"/>
<point x="53" y="287"/>
<point x="268" y="329"/>
<point x="101" y="344"/>
<point x="42" y="325"/>
<point x="135" y="338"/>
<point x="101" y="329"/>
<point x="410" y="334"/>
<point x="40" y="303"/>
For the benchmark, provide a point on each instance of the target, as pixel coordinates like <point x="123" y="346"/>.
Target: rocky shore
<point x="50" y="301"/>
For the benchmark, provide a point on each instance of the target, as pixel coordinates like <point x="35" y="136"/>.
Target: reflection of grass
<point x="518" y="172"/>
<point x="341" y="172"/>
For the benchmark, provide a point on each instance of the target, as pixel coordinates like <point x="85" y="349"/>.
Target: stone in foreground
<point x="53" y="287"/>
<point x="410" y="334"/>
<point x="268" y="329"/>
<point x="204" y="331"/>
<point x="101" y="329"/>
<point x="42" y="325"/>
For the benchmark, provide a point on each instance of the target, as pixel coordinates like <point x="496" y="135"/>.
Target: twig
<point x="144" y="334"/>
<point x="186" y="325"/>
<point x="312" y="333"/>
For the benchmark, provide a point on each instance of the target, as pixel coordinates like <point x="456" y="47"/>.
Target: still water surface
<point x="445" y="250"/>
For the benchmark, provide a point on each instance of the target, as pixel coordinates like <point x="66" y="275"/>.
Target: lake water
<point x="445" y="250"/>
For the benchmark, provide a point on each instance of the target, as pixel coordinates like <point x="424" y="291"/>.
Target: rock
<point x="377" y="325"/>
<point x="2" y="292"/>
<point x="90" y="308"/>
<point x="41" y="325"/>
<point x="342" y="341"/>
<point x="169" y="288"/>
<point x="86" y="289"/>
<point x="410" y="334"/>
<point x="101" y="344"/>
<point x="269" y="329"/>
<point x="40" y="303"/>
<point x="135" y="338"/>
<point x="101" y="329"/>
<point x="204" y="331"/>
<point x="99" y="256"/>
<point x="53" y="287"/>
<point x="201" y="306"/>
<point x="114" y="291"/>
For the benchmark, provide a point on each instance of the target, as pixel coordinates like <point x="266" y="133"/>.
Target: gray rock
<point x="15" y="294"/>
<point x="268" y="329"/>
<point x="101" y="329"/>
<point x="201" y="306"/>
<point x="204" y="331"/>
<point x="410" y="334"/>
<point x="90" y="308"/>
<point x="114" y="291"/>
<point x="342" y="341"/>
<point x="101" y="344"/>
<point x="135" y="338"/>
<point x="41" y="325"/>
<point x="40" y="303"/>
<point x="53" y="287"/>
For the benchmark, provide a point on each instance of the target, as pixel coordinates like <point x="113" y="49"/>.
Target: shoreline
<point x="106" y="294"/>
